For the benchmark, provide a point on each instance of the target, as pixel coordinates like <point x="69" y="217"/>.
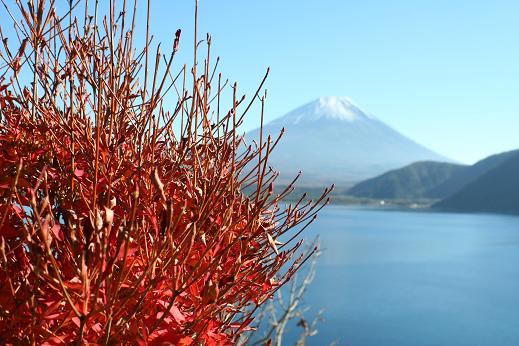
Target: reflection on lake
<point x="398" y="278"/>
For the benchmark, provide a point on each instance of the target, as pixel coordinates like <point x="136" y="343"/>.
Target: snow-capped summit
<point x="332" y="140"/>
<point x="326" y="107"/>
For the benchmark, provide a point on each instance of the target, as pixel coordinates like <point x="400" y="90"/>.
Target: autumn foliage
<point x="123" y="216"/>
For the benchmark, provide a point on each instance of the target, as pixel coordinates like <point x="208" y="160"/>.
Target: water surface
<point x="398" y="278"/>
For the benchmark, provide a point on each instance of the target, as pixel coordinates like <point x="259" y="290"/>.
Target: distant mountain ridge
<point x="415" y="181"/>
<point x="490" y="185"/>
<point x="332" y="140"/>
<point x="496" y="190"/>
<point x="470" y="174"/>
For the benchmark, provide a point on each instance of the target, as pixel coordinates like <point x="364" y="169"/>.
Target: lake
<point x="398" y="278"/>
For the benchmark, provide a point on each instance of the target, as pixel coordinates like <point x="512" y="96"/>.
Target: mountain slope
<point x="333" y="141"/>
<point x="410" y="182"/>
<point x="458" y="181"/>
<point x="495" y="191"/>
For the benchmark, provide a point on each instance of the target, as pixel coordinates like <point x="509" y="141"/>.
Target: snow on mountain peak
<point x="339" y="107"/>
<point x="327" y="107"/>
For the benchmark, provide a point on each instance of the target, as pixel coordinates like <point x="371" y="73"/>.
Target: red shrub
<point x="119" y="225"/>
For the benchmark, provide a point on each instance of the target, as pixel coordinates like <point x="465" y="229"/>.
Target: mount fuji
<point x="334" y="141"/>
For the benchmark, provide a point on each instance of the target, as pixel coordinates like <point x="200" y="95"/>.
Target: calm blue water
<point x="397" y="278"/>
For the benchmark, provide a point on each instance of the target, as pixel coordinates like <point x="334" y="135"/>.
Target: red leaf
<point x="174" y="311"/>
<point x="79" y="172"/>
<point x="56" y="229"/>
<point x="76" y="321"/>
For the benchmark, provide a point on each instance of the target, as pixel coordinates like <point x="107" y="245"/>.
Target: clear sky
<point x="443" y="72"/>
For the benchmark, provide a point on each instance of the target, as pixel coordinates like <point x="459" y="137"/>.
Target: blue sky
<point x="443" y="72"/>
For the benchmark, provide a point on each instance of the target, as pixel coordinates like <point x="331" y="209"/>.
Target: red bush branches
<point x="121" y="222"/>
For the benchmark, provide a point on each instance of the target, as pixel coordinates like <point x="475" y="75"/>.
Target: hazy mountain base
<point x="340" y="196"/>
